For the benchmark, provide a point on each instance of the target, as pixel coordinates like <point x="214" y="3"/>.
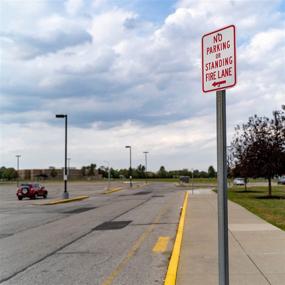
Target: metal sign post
<point x="222" y="188"/>
<point x="219" y="73"/>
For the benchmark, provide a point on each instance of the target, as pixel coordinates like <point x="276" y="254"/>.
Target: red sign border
<point x="235" y="66"/>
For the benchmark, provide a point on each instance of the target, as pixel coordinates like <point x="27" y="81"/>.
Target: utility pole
<point x="131" y="183"/>
<point x="145" y="157"/>
<point x="18" y="174"/>
<point x="109" y="174"/>
<point x="68" y="166"/>
<point x="65" y="193"/>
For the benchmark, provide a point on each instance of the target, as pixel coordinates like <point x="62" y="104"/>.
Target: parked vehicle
<point x="239" y="181"/>
<point x="31" y="190"/>
<point x="281" y="180"/>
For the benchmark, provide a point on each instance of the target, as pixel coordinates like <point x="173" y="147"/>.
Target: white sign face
<point x="219" y="59"/>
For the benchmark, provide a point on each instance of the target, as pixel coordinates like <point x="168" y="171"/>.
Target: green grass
<point x="257" y="201"/>
<point x="174" y="180"/>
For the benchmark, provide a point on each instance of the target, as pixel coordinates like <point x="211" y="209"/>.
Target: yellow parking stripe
<point x="161" y="244"/>
<point x="61" y="201"/>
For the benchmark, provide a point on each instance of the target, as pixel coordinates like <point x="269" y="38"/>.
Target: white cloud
<point x="264" y="45"/>
<point x="98" y="3"/>
<point x="51" y="26"/>
<point x="73" y="6"/>
<point x="110" y="27"/>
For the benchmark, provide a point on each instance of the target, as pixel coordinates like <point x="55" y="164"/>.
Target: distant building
<point x="24" y="174"/>
<point x="54" y="174"/>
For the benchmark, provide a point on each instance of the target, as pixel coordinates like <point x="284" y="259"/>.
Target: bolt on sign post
<point x="219" y="73"/>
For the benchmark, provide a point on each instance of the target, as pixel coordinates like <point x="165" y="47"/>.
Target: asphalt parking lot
<point x="124" y="237"/>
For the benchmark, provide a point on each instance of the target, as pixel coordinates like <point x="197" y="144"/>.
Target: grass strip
<point x="257" y="201"/>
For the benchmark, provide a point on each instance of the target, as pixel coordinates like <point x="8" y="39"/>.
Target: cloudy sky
<point x="129" y="73"/>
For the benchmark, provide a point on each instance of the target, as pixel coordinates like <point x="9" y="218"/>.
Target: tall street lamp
<point x="68" y="166"/>
<point x="18" y="157"/>
<point x="109" y="173"/>
<point x="128" y="146"/>
<point x="192" y="182"/>
<point x="145" y="158"/>
<point x="65" y="193"/>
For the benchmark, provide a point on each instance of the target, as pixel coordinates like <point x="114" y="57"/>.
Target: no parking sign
<point x="219" y="59"/>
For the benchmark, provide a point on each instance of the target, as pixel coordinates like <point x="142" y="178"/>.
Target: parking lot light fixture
<point x="65" y="193"/>
<point x="18" y="158"/>
<point x="145" y="157"/>
<point x="68" y="166"/>
<point x="130" y="174"/>
<point x="109" y="173"/>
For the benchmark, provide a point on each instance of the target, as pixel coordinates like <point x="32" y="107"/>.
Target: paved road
<point x="106" y="239"/>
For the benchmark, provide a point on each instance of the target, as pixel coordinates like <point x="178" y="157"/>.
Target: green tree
<point x="162" y="173"/>
<point x="212" y="172"/>
<point x="83" y="170"/>
<point x="258" y="147"/>
<point x="140" y="171"/>
<point x="203" y="174"/>
<point x="124" y="172"/>
<point x="2" y="169"/>
<point x="91" y="169"/>
<point x="9" y="173"/>
<point x="103" y="171"/>
<point x="114" y="173"/>
<point x="196" y="173"/>
<point x="53" y="173"/>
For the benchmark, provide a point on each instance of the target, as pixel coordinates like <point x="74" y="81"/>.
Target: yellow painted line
<point x="112" y="190"/>
<point x="174" y="260"/>
<point x="161" y="244"/>
<point x="136" y="246"/>
<point x="54" y="202"/>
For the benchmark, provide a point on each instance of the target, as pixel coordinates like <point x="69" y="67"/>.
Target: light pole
<point x="18" y="157"/>
<point x="145" y="158"/>
<point x="128" y="146"/>
<point x="65" y="193"/>
<point x="192" y="180"/>
<point x="68" y="166"/>
<point x="109" y="174"/>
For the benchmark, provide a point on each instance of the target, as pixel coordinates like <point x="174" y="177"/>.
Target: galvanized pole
<point x="131" y="182"/>
<point x="145" y="157"/>
<point x="222" y="189"/>
<point x="68" y="167"/>
<point x="65" y="194"/>
<point x="109" y="176"/>
<point x="109" y="173"/>
<point x="192" y="182"/>
<point x="130" y="170"/>
<point x="18" y="156"/>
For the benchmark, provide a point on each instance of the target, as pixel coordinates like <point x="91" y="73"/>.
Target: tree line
<point x="9" y="173"/>
<point x="139" y="172"/>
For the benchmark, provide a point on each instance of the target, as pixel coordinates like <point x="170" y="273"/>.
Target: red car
<point x="31" y="190"/>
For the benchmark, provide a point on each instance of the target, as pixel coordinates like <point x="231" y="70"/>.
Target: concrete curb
<point x="171" y="274"/>
<point x="112" y="190"/>
<point x="78" y="198"/>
